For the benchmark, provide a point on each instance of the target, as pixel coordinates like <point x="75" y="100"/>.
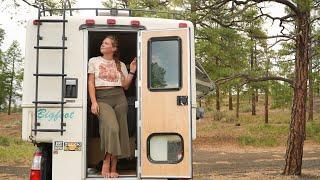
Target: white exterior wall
<point x="50" y="87"/>
<point x="71" y="163"/>
<point x="50" y="62"/>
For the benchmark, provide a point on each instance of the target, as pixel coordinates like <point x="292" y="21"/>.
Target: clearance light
<point x="36" y="22"/>
<point x="111" y="21"/>
<point x="183" y="25"/>
<point x="90" y="22"/>
<point x="135" y="23"/>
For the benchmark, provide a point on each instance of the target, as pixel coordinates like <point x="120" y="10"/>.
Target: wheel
<point x="46" y="161"/>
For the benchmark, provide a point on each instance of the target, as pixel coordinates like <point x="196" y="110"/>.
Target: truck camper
<point x="161" y="99"/>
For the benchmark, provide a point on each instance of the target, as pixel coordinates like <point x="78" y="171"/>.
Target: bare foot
<point x="105" y="172"/>
<point x="114" y="173"/>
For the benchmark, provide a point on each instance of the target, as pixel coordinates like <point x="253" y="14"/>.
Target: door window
<point x="164" y="64"/>
<point x="165" y="148"/>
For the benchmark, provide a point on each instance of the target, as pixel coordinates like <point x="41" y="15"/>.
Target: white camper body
<point x="161" y="118"/>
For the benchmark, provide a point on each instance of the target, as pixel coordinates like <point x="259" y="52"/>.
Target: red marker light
<point x="90" y="22"/>
<point x="183" y="25"/>
<point x="135" y="23"/>
<point x="111" y="21"/>
<point x="36" y="22"/>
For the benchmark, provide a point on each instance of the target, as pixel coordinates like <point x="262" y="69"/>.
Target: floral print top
<point x="105" y="71"/>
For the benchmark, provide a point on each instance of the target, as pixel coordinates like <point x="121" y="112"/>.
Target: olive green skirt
<point x="113" y="128"/>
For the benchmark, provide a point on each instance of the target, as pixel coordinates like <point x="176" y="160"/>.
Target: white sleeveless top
<point x="105" y="71"/>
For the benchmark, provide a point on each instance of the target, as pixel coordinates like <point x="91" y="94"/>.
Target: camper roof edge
<point x="138" y="23"/>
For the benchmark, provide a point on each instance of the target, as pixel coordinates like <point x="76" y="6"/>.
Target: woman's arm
<point x="126" y="81"/>
<point x="92" y="93"/>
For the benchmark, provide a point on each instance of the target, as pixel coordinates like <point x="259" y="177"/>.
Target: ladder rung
<point x="50" y="75"/>
<point x="48" y="102"/>
<point x="49" y="47"/>
<point x="51" y="20"/>
<point x="49" y="130"/>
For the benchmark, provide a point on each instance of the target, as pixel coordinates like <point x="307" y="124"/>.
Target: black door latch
<point x="182" y="100"/>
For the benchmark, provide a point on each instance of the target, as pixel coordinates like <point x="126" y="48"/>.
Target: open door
<point x="165" y="104"/>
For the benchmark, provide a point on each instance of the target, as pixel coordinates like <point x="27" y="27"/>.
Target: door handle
<point x="182" y="100"/>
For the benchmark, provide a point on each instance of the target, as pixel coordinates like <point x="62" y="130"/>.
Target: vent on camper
<point x="71" y="88"/>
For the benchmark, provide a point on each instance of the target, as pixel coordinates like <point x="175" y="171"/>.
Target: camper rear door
<point x="165" y="113"/>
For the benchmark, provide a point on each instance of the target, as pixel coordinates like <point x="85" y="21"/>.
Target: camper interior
<point x="128" y="50"/>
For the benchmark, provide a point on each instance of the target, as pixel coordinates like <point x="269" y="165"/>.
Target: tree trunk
<point x="253" y="102"/>
<point x="238" y="101"/>
<point x="11" y="87"/>
<point x="294" y="152"/>
<point x="318" y="84"/>
<point x="230" y="100"/>
<point x="266" y="98"/>
<point x="217" y="98"/>
<point x="310" y="114"/>
<point x="266" y="106"/>
<point x="253" y="96"/>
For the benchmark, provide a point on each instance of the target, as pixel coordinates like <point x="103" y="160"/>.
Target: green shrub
<point x="246" y="140"/>
<point x="264" y="135"/>
<point x="265" y="141"/>
<point x="313" y="131"/>
<point x="268" y="129"/>
<point x="245" y="108"/>
<point x="231" y="118"/>
<point x="218" y="115"/>
<point x="4" y="141"/>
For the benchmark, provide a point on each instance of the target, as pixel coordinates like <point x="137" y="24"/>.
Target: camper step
<point x="49" y="47"/>
<point x="50" y="20"/>
<point x="49" y="102"/>
<point x="49" y="130"/>
<point x="50" y="75"/>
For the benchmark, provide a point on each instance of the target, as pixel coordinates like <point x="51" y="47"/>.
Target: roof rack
<point x="113" y="11"/>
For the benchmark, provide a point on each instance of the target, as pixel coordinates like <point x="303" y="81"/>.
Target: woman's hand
<point x="95" y="108"/>
<point x="133" y="65"/>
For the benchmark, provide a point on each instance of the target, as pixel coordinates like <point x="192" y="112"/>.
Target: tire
<point x="46" y="161"/>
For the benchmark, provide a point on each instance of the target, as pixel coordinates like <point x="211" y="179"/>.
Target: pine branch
<point x="249" y="79"/>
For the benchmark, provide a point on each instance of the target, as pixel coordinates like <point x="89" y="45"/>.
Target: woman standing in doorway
<point x="107" y="77"/>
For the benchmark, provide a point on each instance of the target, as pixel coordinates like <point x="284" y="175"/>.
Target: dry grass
<point x="13" y="151"/>
<point x="219" y="128"/>
<point x="262" y="174"/>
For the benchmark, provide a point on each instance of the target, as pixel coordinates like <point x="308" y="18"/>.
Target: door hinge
<point x="135" y="153"/>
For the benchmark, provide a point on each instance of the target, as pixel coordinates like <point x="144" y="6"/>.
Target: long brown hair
<point x="116" y="54"/>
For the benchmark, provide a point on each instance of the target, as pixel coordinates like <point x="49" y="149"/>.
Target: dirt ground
<point x="232" y="162"/>
<point x="211" y="160"/>
<point x="216" y="155"/>
<point x="226" y="162"/>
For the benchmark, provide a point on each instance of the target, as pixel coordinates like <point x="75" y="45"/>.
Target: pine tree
<point x="13" y="74"/>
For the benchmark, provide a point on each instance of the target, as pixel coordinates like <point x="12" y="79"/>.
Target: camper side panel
<point x="50" y="88"/>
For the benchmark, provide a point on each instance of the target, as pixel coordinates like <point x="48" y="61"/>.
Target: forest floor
<point x="225" y="147"/>
<point x="221" y="153"/>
